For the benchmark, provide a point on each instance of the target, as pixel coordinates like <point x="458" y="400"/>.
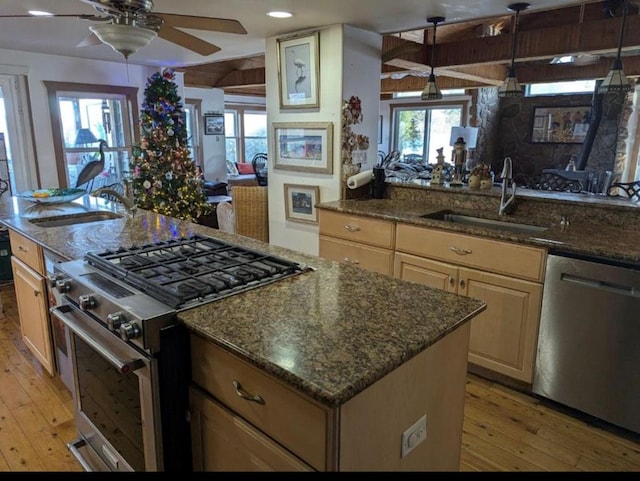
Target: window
<point x="192" y="109"/>
<point x="421" y="129"/>
<point x="82" y="115"/>
<point x="245" y="133"/>
<point x="556" y="88"/>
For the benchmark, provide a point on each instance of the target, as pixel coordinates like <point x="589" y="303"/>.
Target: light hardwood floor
<point x="504" y="430"/>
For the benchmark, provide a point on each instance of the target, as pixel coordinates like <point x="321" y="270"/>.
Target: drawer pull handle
<point x="244" y="395"/>
<point x="23" y="249"/>
<point x="352" y="228"/>
<point x="461" y="252"/>
<point x="351" y="261"/>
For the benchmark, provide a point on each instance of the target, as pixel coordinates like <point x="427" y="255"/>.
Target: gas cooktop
<point x="190" y="271"/>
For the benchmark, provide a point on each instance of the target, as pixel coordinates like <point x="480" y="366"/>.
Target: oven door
<point x="114" y="398"/>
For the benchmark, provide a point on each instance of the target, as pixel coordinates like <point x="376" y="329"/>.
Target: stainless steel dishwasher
<point x="589" y="340"/>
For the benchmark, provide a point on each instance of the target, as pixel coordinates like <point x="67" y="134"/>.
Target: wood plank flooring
<point x="503" y="430"/>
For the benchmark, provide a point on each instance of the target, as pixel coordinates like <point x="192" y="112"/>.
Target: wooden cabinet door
<point x="438" y="275"/>
<point x="505" y="335"/>
<point x="31" y="298"/>
<point x="222" y="441"/>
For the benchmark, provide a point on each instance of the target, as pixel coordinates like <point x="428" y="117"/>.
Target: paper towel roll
<point x="358" y="180"/>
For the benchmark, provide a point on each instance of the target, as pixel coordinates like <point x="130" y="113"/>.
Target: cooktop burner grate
<point x="191" y="271"/>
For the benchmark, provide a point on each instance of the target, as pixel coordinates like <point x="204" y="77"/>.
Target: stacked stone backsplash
<point x="532" y="207"/>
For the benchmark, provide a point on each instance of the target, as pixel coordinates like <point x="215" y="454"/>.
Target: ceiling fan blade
<point x="187" y="41"/>
<point x="90" y="41"/>
<point x="71" y="15"/>
<point x="225" y="25"/>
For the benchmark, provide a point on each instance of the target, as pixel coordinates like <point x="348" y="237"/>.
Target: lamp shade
<point x="85" y="136"/>
<point x="126" y="39"/>
<point x="469" y="134"/>
<point x="431" y="90"/>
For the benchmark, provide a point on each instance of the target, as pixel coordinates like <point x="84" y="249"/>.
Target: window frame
<point x="54" y="89"/>
<point x="458" y="101"/>
<point x="238" y="112"/>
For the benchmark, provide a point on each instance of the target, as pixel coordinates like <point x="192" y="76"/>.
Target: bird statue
<point x="299" y="64"/>
<point x="93" y="168"/>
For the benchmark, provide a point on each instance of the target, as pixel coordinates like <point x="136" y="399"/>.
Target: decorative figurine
<point x="436" y="174"/>
<point x="459" y="157"/>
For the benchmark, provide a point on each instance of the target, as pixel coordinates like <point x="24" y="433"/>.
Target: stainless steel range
<point x="131" y="356"/>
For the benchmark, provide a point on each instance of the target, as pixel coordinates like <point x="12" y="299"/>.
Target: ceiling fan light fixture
<point x="511" y="87"/>
<point x="616" y="81"/>
<point x="431" y="90"/>
<point x="125" y="39"/>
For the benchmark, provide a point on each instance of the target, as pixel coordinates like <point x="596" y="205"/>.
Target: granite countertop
<point x="590" y="239"/>
<point x="329" y="332"/>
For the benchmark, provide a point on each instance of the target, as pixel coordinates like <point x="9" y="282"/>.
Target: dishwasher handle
<point x="621" y="289"/>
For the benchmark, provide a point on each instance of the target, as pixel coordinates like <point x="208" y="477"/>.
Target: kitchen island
<point x="363" y="356"/>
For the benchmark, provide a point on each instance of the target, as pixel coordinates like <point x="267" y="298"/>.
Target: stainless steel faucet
<point x="127" y="199"/>
<point x="507" y="177"/>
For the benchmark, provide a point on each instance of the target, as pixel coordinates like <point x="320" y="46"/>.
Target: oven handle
<point x="123" y="366"/>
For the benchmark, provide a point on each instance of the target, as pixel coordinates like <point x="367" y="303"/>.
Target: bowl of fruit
<point x="52" y="196"/>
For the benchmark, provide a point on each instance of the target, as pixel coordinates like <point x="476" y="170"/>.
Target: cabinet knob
<point x="452" y="281"/>
<point x="462" y="283"/>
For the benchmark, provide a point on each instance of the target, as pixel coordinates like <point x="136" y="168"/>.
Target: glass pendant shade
<point x="616" y="81"/>
<point x="431" y="90"/>
<point x="511" y="87"/>
<point x="126" y="39"/>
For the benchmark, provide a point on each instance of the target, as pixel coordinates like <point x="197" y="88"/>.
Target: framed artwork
<point x="304" y="146"/>
<point x="299" y="71"/>
<point x="560" y="125"/>
<point x="214" y="124"/>
<point x="300" y="202"/>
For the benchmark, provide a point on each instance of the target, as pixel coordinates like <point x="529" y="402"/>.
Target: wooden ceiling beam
<point x="412" y="83"/>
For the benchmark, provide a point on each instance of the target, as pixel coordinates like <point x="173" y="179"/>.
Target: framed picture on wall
<point x="304" y="146"/>
<point x="299" y="71"/>
<point x="214" y="124"/>
<point x="300" y="201"/>
<point x="560" y="125"/>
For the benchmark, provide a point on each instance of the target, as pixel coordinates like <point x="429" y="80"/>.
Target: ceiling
<point x="60" y="36"/>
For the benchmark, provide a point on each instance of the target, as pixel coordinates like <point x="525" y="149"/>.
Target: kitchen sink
<point x="457" y="218"/>
<point x="72" y="219"/>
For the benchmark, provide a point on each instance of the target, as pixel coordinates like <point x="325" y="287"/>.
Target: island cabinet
<point x="357" y="240"/>
<point x="29" y="277"/>
<point x="507" y="276"/>
<point x="244" y="418"/>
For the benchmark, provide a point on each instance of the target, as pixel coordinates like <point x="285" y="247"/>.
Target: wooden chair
<point x="251" y="211"/>
<point x="630" y="189"/>
<point x="226" y="217"/>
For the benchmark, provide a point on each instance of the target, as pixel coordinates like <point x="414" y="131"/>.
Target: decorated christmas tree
<point x="164" y="177"/>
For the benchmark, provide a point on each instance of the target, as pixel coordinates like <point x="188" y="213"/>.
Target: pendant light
<point x="431" y="90"/>
<point x="511" y="87"/>
<point x="616" y="81"/>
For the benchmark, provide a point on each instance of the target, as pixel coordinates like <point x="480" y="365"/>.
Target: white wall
<point x="349" y="65"/>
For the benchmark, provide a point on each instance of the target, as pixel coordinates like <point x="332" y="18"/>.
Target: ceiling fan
<point x="128" y="25"/>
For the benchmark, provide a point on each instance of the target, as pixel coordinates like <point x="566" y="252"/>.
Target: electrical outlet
<point x="414" y="435"/>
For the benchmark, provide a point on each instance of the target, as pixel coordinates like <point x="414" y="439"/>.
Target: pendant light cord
<point x="624" y="18"/>
<point x="514" y="41"/>
<point x="433" y="47"/>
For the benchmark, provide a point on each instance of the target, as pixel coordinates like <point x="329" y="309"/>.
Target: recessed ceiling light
<point x="279" y="14"/>
<point x="40" y="13"/>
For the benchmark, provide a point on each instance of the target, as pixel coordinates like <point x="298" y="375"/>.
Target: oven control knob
<point x="53" y="279"/>
<point x="86" y="301"/>
<point x="129" y="330"/>
<point x="63" y="285"/>
<point x="115" y="320"/>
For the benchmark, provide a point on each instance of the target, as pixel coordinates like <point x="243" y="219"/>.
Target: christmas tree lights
<point x="164" y="177"/>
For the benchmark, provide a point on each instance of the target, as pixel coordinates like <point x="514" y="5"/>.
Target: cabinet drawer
<point x="489" y="255"/>
<point x="372" y="259"/>
<point x="27" y="251"/>
<point x="294" y="421"/>
<point x="365" y="230"/>
<point x="223" y="441"/>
